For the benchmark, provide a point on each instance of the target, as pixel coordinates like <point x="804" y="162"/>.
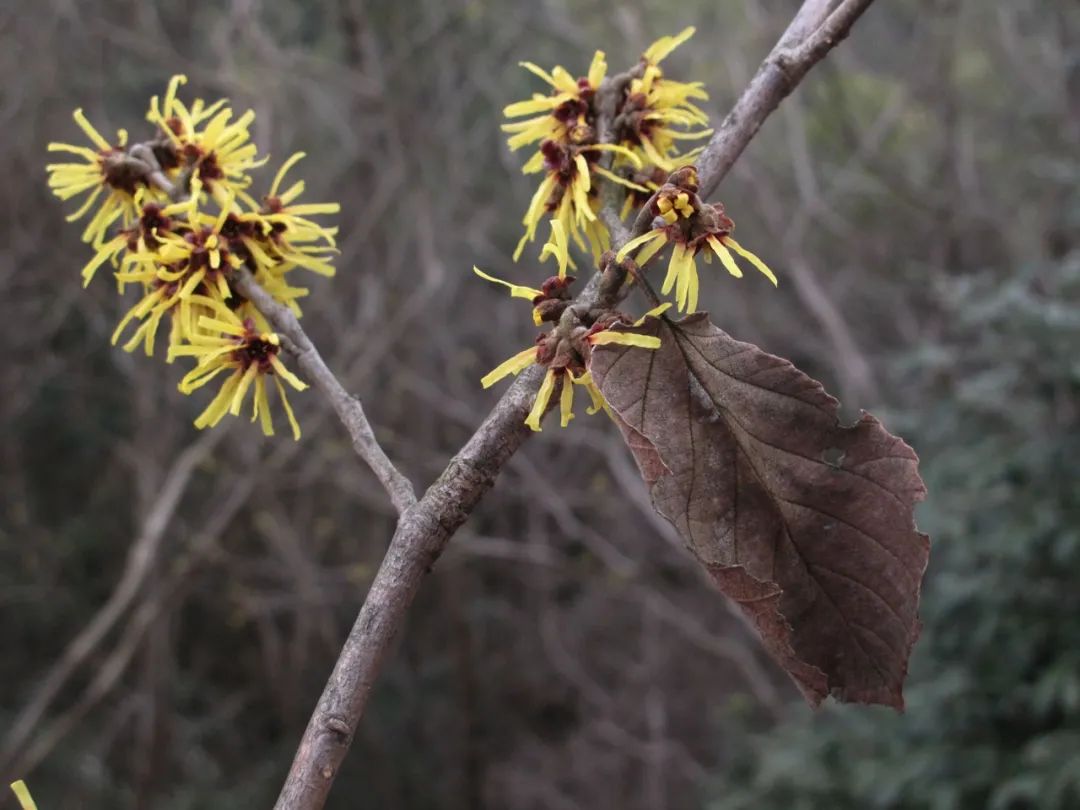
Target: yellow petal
<point x="530" y="106"/>
<point x="597" y="69"/>
<point x="262" y="408"/>
<point x="655" y="312"/>
<point x="215" y="324"/>
<point x="285" y="374"/>
<point x="660" y="49"/>
<point x="625" y="339"/>
<point x="219" y="405"/>
<point x="582" y="178"/>
<point x="22" y="793"/>
<point x="539" y="71"/>
<point x="288" y="164"/>
<point x="619" y="150"/>
<point x="597" y="398"/>
<point x="750" y="257"/>
<point x="625" y="250"/>
<point x="674" y="268"/>
<point x="288" y="409"/>
<point x="515" y="365"/>
<point x="692" y="290"/>
<point x="516" y="290"/>
<point x="201" y="375"/>
<point x="558" y="247"/>
<point x="241" y="389"/>
<point x="566" y="401"/>
<point x="649" y="251"/>
<point x="543" y="397"/>
<point x="600" y="170"/>
<point x="725" y="256"/>
<point x="564" y="82"/>
<point x="91" y="133"/>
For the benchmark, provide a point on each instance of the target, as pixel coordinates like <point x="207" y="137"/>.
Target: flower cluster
<point x="646" y="113"/>
<point x="691" y="227"/>
<point x="564" y="350"/>
<point x="176" y="222"/>
<point x="651" y="112"/>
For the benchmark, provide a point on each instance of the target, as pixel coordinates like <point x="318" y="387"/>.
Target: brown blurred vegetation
<point x="566" y="653"/>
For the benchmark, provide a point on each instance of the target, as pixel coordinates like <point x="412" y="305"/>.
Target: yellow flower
<point x="690" y="230"/>
<point x="105" y="169"/>
<point x="521" y="361"/>
<point x="137" y="242"/>
<point x="566" y="380"/>
<point x="230" y="344"/>
<point x="657" y="109"/>
<point x="188" y="270"/>
<point x="292" y="236"/>
<point x="566" y="116"/>
<point x="568" y="193"/>
<point x="220" y="154"/>
<point x="567" y="370"/>
<point x="201" y="255"/>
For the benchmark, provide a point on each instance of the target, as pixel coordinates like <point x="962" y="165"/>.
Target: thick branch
<point x="422" y="533"/>
<point x="347" y="406"/>
<point x="426" y="527"/>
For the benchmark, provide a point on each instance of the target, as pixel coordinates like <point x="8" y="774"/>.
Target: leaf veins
<point x="807" y="524"/>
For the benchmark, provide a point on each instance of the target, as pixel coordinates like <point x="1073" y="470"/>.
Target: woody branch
<point x="425" y="527"/>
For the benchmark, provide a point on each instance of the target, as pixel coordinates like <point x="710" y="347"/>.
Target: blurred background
<point x="172" y="602"/>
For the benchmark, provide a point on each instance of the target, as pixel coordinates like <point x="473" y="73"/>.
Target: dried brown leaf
<point x="807" y="524"/>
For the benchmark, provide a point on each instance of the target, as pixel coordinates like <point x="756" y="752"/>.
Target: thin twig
<point x="421" y="536"/>
<point x="424" y="529"/>
<point x="811" y="35"/>
<point x="347" y="406"/>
